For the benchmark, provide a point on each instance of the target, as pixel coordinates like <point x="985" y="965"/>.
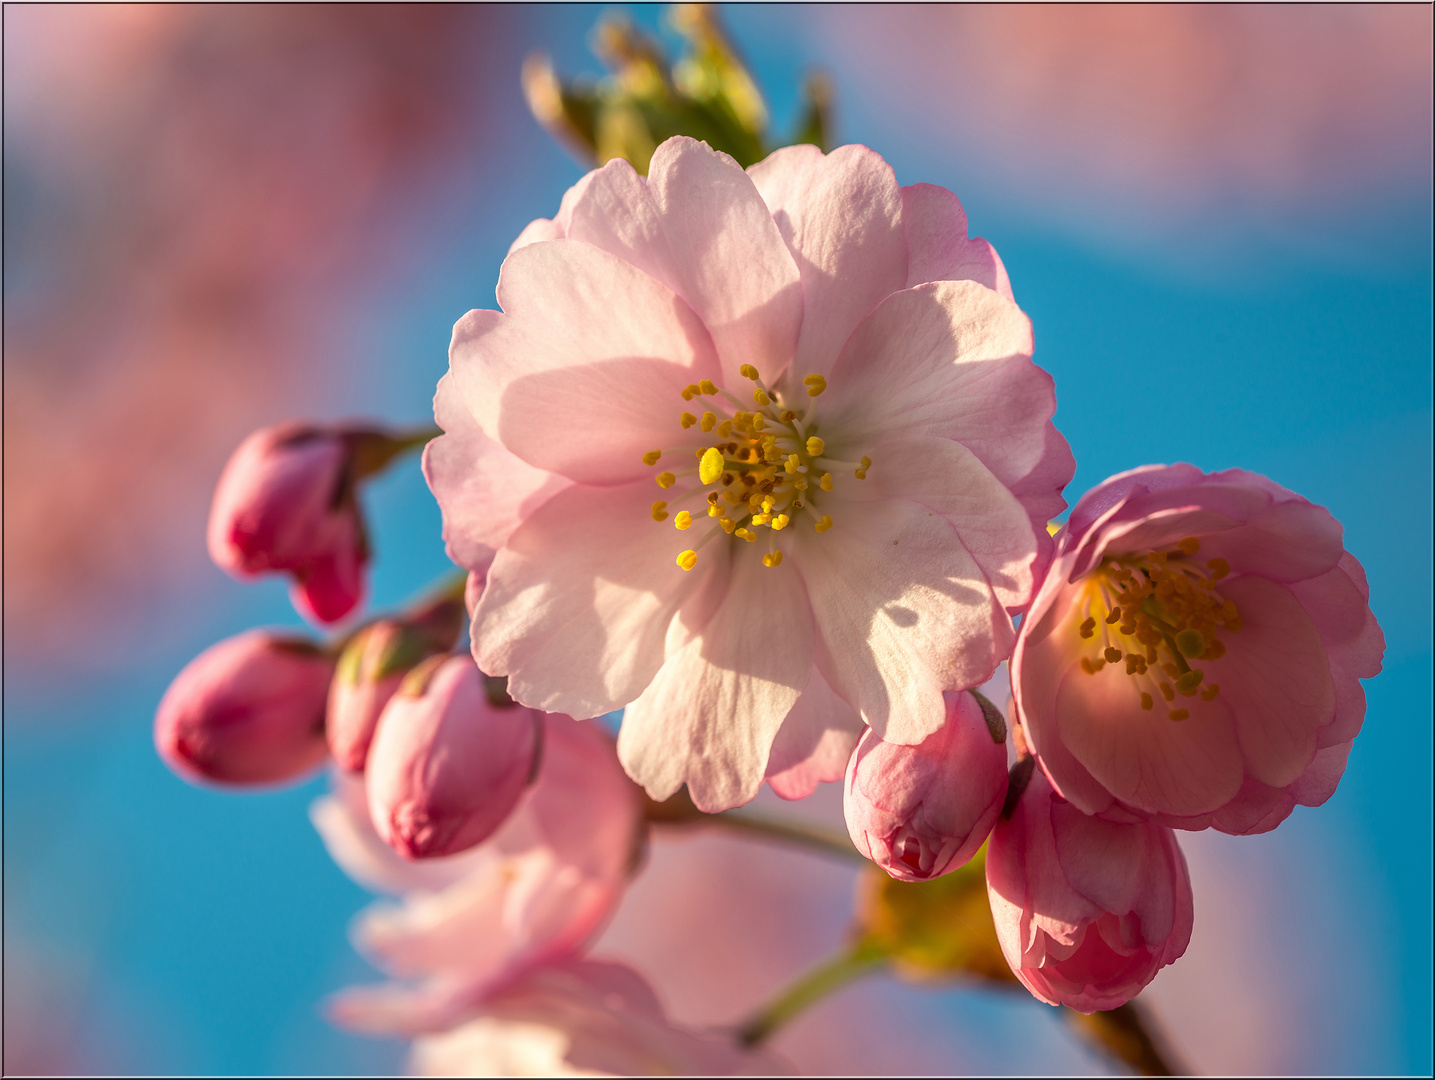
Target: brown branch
<point x="1128" y="1034"/>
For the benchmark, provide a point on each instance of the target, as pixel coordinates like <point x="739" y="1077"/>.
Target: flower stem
<point x="814" y="837"/>
<point x="815" y="984"/>
<point x="1127" y="1034"/>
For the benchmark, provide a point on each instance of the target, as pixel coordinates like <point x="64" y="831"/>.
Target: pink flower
<point x="372" y="666"/>
<point x="583" y="1019"/>
<point x="286" y="502"/>
<point x="824" y="385"/>
<point x="447" y="766"/>
<point x="1087" y="911"/>
<point x="1195" y="652"/>
<point x="536" y="891"/>
<point x="921" y="811"/>
<point x="249" y="710"/>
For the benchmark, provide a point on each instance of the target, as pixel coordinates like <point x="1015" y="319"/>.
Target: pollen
<point x="651" y="457"/>
<point x="684" y="520"/>
<point x="688" y="559"/>
<point x="711" y="466"/>
<point x="772" y="558"/>
<point x="659" y="511"/>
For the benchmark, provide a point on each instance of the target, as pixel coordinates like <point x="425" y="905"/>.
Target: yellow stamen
<point x="714" y="511"/>
<point x="707" y="387"/>
<point x="1147" y="701"/>
<point x="709" y="421"/>
<point x="684" y="520"/>
<point x="781" y="522"/>
<point x="747" y="371"/>
<point x="725" y="429"/>
<point x="666" y="480"/>
<point x="792" y="462"/>
<point x="1178" y="714"/>
<point x="1190" y="545"/>
<point x="826" y="482"/>
<point x="1219" y="568"/>
<point x="659" y="511"/>
<point x="772" y="558"/>
<point x="1210" y="692"/>
<point x="815" y="384"/>
<point x="687" y="419"/>
<point x="690" y="391"/>
<point x="1112" y="655"/>
<point x="823" y="523"/>
<point x="759" y="395"/>
<point x="710" y="468"/>
<point x="746" y="534"/>
<point x="688" y="559"/>
<point x="815" y="446"/>
<point x="862" y="470"/>
<point x="651" y="457"/>
<point x="727" y="524"/>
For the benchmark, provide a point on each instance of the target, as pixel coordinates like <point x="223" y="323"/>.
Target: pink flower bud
<point x="922" y="811"/>
<point x="285" y="502"/>
<point x="372" y="666"/>
<point x="446" y="766"/>
<point x="1087" y="910"/>
<point x="249" y="710"/>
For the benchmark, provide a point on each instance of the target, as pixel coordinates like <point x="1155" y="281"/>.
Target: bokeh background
<point x="218" y="217"/>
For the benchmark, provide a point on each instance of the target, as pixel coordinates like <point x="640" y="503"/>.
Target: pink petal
<point x="711" y="714"/>
<point x="578" y="602"/>
<point x="729" y="261"/>
<point x="903" y="612"/>
<point x="483" y="489"/>
<point x="1276" y="678"/>
<point x="841" y="216"/>
<point x="1143" y="758"/>
<point x="951" y="359"/>
<point x="814" y="742"/>
<point x="938" y="248"/>
<point x="581" y="373"/>
<point x="1285" y="542"/>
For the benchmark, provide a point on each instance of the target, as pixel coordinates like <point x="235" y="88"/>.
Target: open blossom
<point x="249" y="710"/>
<point x="1087" y="911"/>
<point x="1195" y="653"/>
<point x="922" y="811"/>
<point x="371" y="667"/>
<point x="285" y="502"/>
<point x="762" y="456"/>
<point x="536" y="891"/>
<point x="584" y="1018"/>
<point x="447" y="765"/>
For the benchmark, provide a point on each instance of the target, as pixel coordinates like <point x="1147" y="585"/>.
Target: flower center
<point x="1157" y="612"/>
<point x="761" y="470"/>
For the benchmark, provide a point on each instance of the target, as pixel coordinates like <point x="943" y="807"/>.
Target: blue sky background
<point x="174" y="929"/>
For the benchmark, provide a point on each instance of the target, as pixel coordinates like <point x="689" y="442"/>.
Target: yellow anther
<point x="1167" y="692"/>
<point x="659" y="511"/>
<point x="707" y="387"/>
<point x="710" y="468"/>
<point x="815" y="384"/>
<point x="758" y="421"/>
<point x="746" y="534"/>
<point x="1219" y="568"/>
<point x="1147" y="701"/>
<point x="709" y="421"/>
<point x="727" y="524"/>
<point x="1112" y="655"/>
<point x="788" y="416"/>
<point x="690" y="391"/>
<point x="1114" y="616"/>
<point x="1210" y="692"/>
<point x="772" y="558"/>
<point x="768" y="502"/>
<point x="781" y="521"/>
<point x="1190" y="642"/>
<point x="714" y="511"/>
<point x="698" y="453"/>
<point x="1088" y="628"/>
<point x="651" y="457"/>
<point x="725" y="429"/>
<point x="688" y="559"/>
<point x="684" y="520"/>
<point x="1178" y="714"/>
<point x="1190" y="545"/>
<point x="823" y="523"/>
<point x="792" y="462"/>
<point x="826" y="482"/>
<point x="747" y="371"/>
<point x="687" y="419"/>
<point x="666" y="480"/>
<point x="815" y="446"/>
<point x="732" y="498"/>
<point x="862" y="469"/>
<point x="759" y="395"/>
<point x="761" y="519"/>
<point x="800" y="482"/>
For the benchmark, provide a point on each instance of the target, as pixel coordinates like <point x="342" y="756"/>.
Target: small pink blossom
<point x="1087" y="911"/>
<point x="285" y="502"/>
<point x="447" y="766"/>
<point x="761" y="456"/>
<point x="249" y="710"/>
<point x="371" y="668"/>
<point x="536" y="891"/>
<point x="583" y="1018"/>
<point x="1195" y="653"/>
<point x="922" y="811"/>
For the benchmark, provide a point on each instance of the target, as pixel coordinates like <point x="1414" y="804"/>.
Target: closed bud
<point x="1086" y="910"/>
<point x="372" y="666"/>
<point x="249" y="710"/>
<point x="922" y="811"/>
<point x="447" y="766"/>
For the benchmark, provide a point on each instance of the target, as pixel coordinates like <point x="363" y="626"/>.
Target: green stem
<point x="815" y="984"/>
<point x="814" y="837"/>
